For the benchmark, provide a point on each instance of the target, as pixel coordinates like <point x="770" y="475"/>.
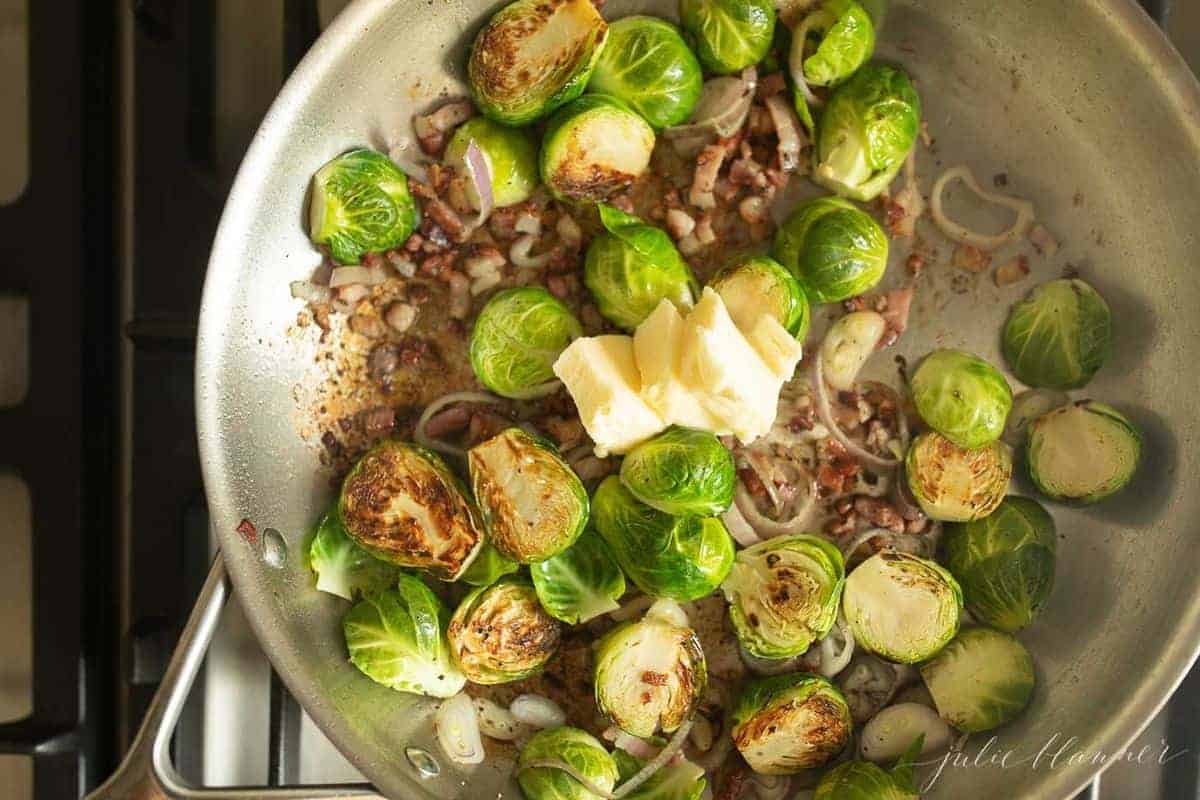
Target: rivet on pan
<point x="274" y="548"/>
<point x="422" y="762"/>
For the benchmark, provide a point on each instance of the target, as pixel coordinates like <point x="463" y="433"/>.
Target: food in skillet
<point x="627" y="501"/>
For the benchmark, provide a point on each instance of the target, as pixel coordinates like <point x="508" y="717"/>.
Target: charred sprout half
<point x="500" y="633"/>
<point x="1059" y="336"/>
<point x="681" y="471"/>
<point x="757" y="285"/>
<point x="1083" y="452"/>
<point x="580" y="583"/>
<point x="834" y="248"/>
<point x="902" y="607"/>
<point x="962" y="397"/>
<point x="862" y="780"/>
<point x="683" y="558"/>
<point x="342" y="566"/>
<point x="577" y="749"/>
<point x="397" y="638"/>
<point x="868" y="127"/>
<point x="650" y="674"/>
<point x="954" y="484"/>
<point x="594" y="147"/>
<point x="533" y="505"/>
<point x="518" y="336"/>
<point x="1004" y="562"/>
<point x="534" y="56"/>
<point x="784" y="594"/>
<point x="360" y="204"/>
<point x="788" y="723"/>
<point x="730" y="35"/>
<point x="511" y="157"/>
<point x="631" y="267"/>
<point x="404" y="506"/>
<point x="983" y="679"/>
<point x="647" y="64"/>
<point x="831" y="43"/>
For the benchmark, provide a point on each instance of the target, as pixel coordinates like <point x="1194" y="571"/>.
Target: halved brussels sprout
<point x="532" y="503"/>
<point x="788" y="723"/>
<point x="983" y="679"/>
<point x="579" y="750"/>
<point x="594" y="147"/>
<point x="845" y="39"/>
<point x="632" y="267"/>
<point x="678" y="780"/>
<point x="862" y="780"/>
<point x="342" y="566"/>
<point x="650" y="674"/>
<point x="647" y="64"/>
<point x="962" y="397"/>
<point x="902" y="607"/>
<point x="397" y="638"/>
<point x="1028" y="406"/>
<point x="751" y="287"/>
<point x="684" y="558"/>
<point x="488" y="566"/>
<point x="1004" y="562"/>
<point x="518" y="336"/>
<point x="404" y="506"/>
<point x="681" y="471"/>
<point x="1059" y="336"/>
<point x="1082" y="452"/>
<point x="500" y="633"/>
<point x="511" y="155"/>
<point x="954" y="484"/>
<point x="866" y="131"/>
<point x="834" y="248"/>
<point x="533" y="57"/>
<point x="360" y="204"/>
<point x="784" y="594"/>
<point x="730" y="35"/>
<point x="580" y="583"/>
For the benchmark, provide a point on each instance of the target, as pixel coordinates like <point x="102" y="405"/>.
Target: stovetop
<point x="97" y="330"/>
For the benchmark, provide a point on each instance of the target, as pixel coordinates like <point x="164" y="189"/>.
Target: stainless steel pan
<point x="1085" y="107"/>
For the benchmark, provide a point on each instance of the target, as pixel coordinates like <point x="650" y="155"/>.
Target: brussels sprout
<point x="580" y="583"/>
<point x="360" y="204"/>
<point x="647" y="64"/>
<point x="683" y="558"/>
<point x="1028" y="406"/>
<point x="862" y="780"/>
<point x="954" y="484"/>
<point x="1083" y="452"/>
<point x="680" y="780"/>
<point x="576" y="748"/>
<point x="500" y="633"/>
<point x="488" y="566"/>
<point x="533" y="57"/>
<point x="788" y="723"/>
<point x="867" y="130"/>
<point x="1004" y="563"/>
<point x="1059" y="336"/>
<point x="730" y="35"/>
<point x="902" y="607"/>
<point x="533" y="505"/>
<point x="342" y="567"/>
<point x="594" y="147"/>
<point x="962" y="397"/>
<point x="836" y="250"/>
<point x="849" y="342"/>
<point x="518" y="336"/>
<point x="403" y="505"/>
<point x="650" y="674"/>
<point x="784" y="594"/>
<point x="511" y="155"/>
<point x="397" y="638"/>
<point x="681" y="471"/>
<point x="632" y="267"/>
<point x="845" y="40"/>
<point x="758" y="285"/>
<point x="983" y="679"/>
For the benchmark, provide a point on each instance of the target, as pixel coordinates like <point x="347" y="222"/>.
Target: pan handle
<point x="147" y="773"/>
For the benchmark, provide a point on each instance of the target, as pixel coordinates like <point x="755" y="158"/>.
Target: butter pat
<point x="658" y="346"/>
<point x="778" y="349"/>
<point x="602" y="376"/>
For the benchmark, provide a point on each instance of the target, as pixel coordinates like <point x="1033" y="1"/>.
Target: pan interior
<point x="1079" y="104"/>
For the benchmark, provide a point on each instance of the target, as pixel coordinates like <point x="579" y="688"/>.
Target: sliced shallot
<point x="365" y="276"/>
<point x="787" y="127"/>
<point x="423" y="439"/>
<point x="537" y="711"/>
<point x="739" y="528"/>
<point x="480" y="173"/>
<point x="496" y="722"/>
<point x="457" y="726"/>
<point x="964" y="235"/>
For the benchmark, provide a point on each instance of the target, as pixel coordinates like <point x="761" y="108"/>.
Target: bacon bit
<point x="248" y="531"/>
<point x="898" y="304"/>
<point x="460" y="294"/>
<point x="446" y="218"/>
<point x="704" y="179"/>
<point x="704" y="229"/>
<point x="1043" y="241"/>
<point x="770" y="85"/>
<point x="451" y="420"/>
<point x="971" y="259"/>
<point x="1012" y="271"/>
<point x="434" y="129"/>
<point x="679" y="223"/>
<point x="378" y="421"/>
<point x="753" y="209"/>
<point x="439" y="177"/>
<point x="623" y="202"/>
<point x="367" y="325"/>
<point x="915" y="263"/>
<point x="558" y="286"/>
<point x="752" y="482"/>
<point x="787" y="127"/>
<point x="760" y="121"/>
<point x="400" y="316"/>
<point x="879" y="513"/>
<point x="435" y="266"/>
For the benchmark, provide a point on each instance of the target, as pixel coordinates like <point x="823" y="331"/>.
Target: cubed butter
<point x="658" y="346"/>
